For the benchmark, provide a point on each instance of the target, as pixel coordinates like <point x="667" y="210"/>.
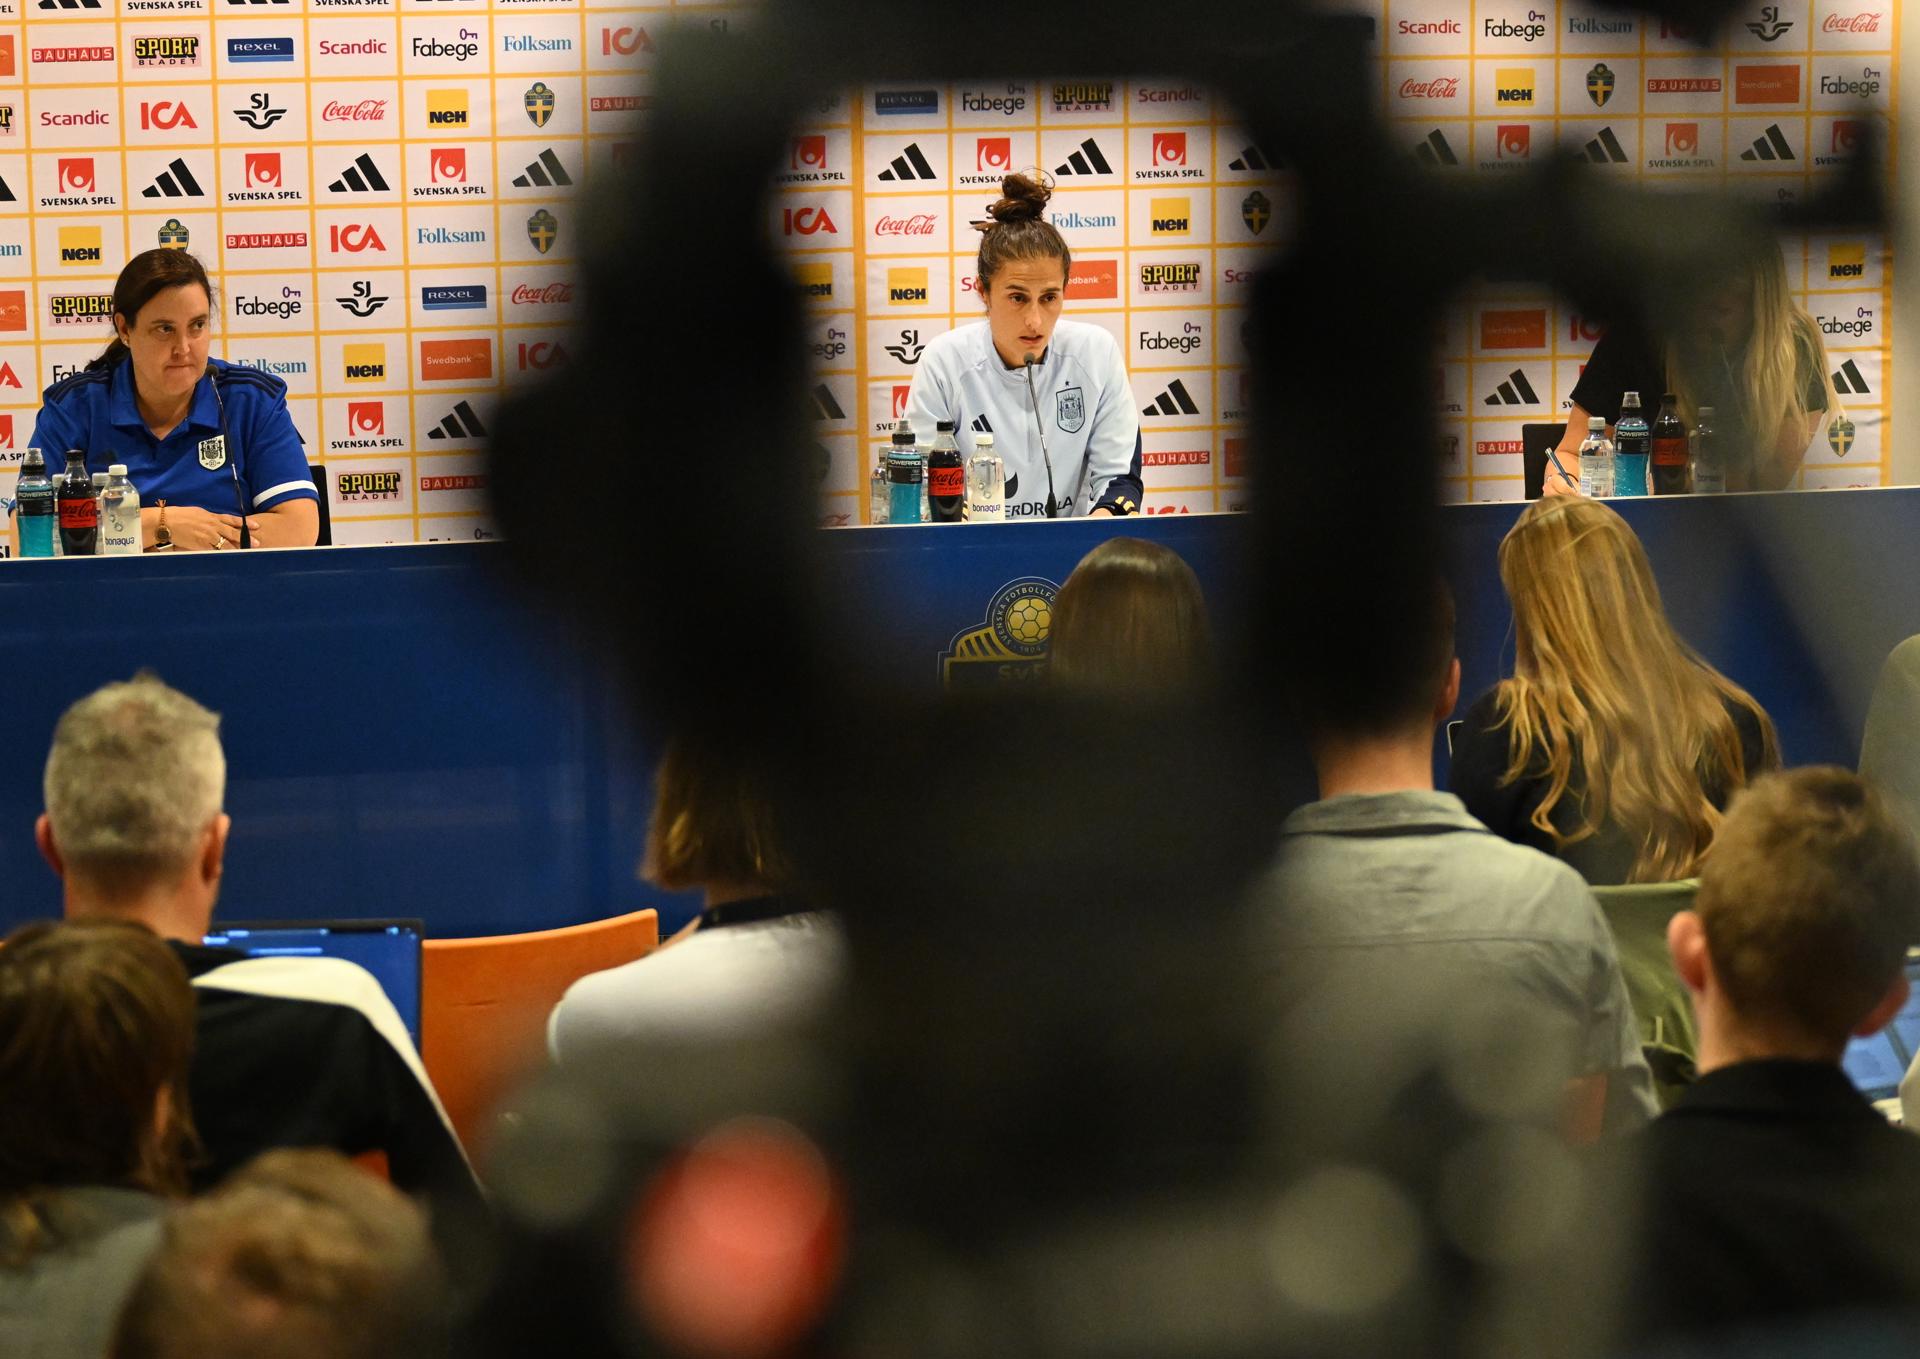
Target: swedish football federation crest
<point x="542" y="228"/>
<point x="1256" y="210"/>
<point x="1009" y="643"/>
<point x="539" y="103"/>
<point x="1070" y="409"/>
<point x="213" y="452"/>
<point x="173" y="234"/>
<point x="1840" y="437"/>
<point x="1600" y="84"/>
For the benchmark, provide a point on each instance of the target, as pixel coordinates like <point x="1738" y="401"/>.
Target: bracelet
<point x="162" y="535"/>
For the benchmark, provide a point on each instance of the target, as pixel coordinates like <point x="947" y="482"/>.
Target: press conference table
<point x="405" y="737"/>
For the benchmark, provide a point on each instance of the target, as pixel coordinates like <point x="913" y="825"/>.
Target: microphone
<point x="1053" y="508"/>
<point x="233" y="465"/>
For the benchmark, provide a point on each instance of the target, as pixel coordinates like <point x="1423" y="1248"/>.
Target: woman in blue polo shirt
<point x="211" y="439"/>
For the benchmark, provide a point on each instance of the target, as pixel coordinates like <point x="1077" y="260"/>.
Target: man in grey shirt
<point x="1398" y="930"/>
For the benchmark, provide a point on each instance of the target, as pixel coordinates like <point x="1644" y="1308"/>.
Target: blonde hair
<point x="1130" y="620"/>
<point x="1602" y="683"/>
<point x="713" y="821"/>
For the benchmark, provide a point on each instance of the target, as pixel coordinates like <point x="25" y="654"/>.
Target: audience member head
<point x="133" y="824"/>
<point x="1603" y="688"/>
<point x="1130" y="622"/>
<point x="298" y="1256"/>
<point x="1807" y="906"/>
<point x="96" y="1030"/>
<point x="714" y="825"/>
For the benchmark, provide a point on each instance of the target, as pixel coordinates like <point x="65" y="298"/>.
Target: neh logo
<point x="1605" y="149"/>
<point x="815" y="281"/>
<point x="1769" y="26"/>
<point x="263" y="169"/>
<point x="1434" y="150"/>
<point x="260" y="113"/>
<point x="538" y="102"/>
<point x="1175" y="400"/>
<point x="448" y="109"/>
<point x="1088" y="160"/>
<point x="807" y="221"/>
<point x="176" y="181"/>
<point x="462" y="422"/>
<point x="362" y="301"/>
<point x="1846" y="262"/>
<point x="1848" y="381"/>
<point x="809" y="153"/>
<point x="1256" y="210"/>
<point x="910" y="164"/>
<point x="13" y="309"/>
<point x="1770" y="145"/>
<point x="76" y="175"/>
<point x="353" y="238"/>
<point x="1514" y="391"/>
<point x="1252" y="159"/>
<point x="546" y="172"/>
<point x="543" y="228"/>
<point x="906" y="287"/>
<point x="909" y="349"/>
<point x="165" y="115"/>
<point x="365" y="362"/>
<point x="1169" y="148"/>
<point x="994" y="155"/>
<point x="367" y="486"/>
<point x="1170" y="216"/>
<point x="1840" y="437"/>
<point x="1513" y="87"/>
<point x="80" y="245"/>
<point x="1600" y="84"/>
<point x="363" y="176"/>
<point x="173" y="234"/>
<point x="447" y="165"/>
<point x="367" y="419"/>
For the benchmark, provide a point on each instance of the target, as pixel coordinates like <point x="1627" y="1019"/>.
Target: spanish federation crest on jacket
<point x="1087" y="415"/>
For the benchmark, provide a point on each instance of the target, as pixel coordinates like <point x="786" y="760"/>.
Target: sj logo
<point x="1070" y="409"/>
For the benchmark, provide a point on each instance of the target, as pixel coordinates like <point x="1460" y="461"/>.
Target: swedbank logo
<point x="1010" y="643"/>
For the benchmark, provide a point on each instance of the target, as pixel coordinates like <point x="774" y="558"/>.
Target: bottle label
<point x="947" y="481"/>
<point x="79" y="512"/>
<point x="1669" y="452"/>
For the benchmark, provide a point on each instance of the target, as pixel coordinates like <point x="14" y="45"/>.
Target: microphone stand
<point x="1040" y="427"/>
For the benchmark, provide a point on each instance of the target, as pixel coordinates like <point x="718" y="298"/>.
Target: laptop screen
<point x="389" y="949"/>
<point x="1876" y="1064"/>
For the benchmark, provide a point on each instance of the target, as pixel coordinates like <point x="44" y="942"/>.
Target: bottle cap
<point x="1595" y="423"/>
<point x="118" y="469"/>
<point x="1705" y="411"/>
<point x="943" y="427"/>
<point x="983" y="439"/>
<point x="1668" y="396"/>
<point x="902" y="432"/>
<point x="1634" y="397"/>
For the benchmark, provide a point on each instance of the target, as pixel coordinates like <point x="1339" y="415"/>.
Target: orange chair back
<point x="484" y="1005"/>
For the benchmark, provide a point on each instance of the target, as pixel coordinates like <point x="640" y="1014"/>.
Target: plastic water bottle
<point x="1632" y="446"/>
<point x="34" y="494"/>
<point x="906" y="481"/>
<point x="1709" y="459"/>
<point x="119" y="514"/>
<point x="1596" y="460"/>
<point x="986" y="483"/>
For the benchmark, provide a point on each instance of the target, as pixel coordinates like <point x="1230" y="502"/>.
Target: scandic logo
<point x="1684" y="85"/>
<point x="1093" y="280"/>
<point x="448" y="360"/>
<point x="1513" y="329"/>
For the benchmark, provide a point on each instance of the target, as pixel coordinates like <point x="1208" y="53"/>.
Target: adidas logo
<point x="69" y="4"/>
<point x="1253" y="158"/>
<point x="463" y="422"/>
<point x="176" y="181"/>
<point x="6" y="192"/>
<point x="1086" y="161"/>
<point x="908" y="165"/>
<point x="1434" y="150"/>
<point x="1770" y="145"/>
<point x="1174" y="401"/>
<point x="543" y="173"/>
<point x="824" y="406"/>
<point x="1848" y="381"/>
<point x="981" y="425"/>
<point x="1604" y="149"/>
<point x="1515" y="391"/>
<point x="363" y="176"/>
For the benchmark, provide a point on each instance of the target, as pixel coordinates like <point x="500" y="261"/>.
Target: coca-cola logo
<point x="920" y="224"/>
<point x="553" y="294"/>
<point x="1851" y="23"/>
<point x="1440" y="87"/>
<point x="365" y="111"/>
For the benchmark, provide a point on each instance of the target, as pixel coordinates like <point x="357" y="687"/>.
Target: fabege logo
<point x="165" y="115"/>
<point x="364" y="362"/>
<point x="353" y="238"/>
<point x="809" y="153"/>
<point x="994" y="155"/>
<point x="1170" y="216"/>
<point x="1683" y="139"/>
<point x="80" y="245"/>
<point x="366" y="418"/>
<point x="1169" y="148"/>
<point x="906" y="287"/>
<point x="263" y="169"/>
<point x="447" y="165"/>
<point x="1513" y="142"/>
<point x="76" y="174"/>
<point x="807" y="221"/>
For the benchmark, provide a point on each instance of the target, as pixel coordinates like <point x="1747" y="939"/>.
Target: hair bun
<point x="1024" y="198"/>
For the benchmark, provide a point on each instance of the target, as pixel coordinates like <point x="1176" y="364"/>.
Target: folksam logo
<point x="259" y="49"/>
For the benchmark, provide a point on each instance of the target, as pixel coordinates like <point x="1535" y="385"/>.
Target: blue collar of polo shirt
<point x="124" y="413"/>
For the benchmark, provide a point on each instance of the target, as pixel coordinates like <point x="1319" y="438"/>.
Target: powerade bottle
<point x="1596" y="460"/>
<point x="1709" y="459"/>
<point x="946" y="478"/>
<point x="1669" y="449"/>
<point x="906" y="480"/>
<point x="34" y="493"/>
<point x="1632" y="445"/>
<point x="119" y="514"/>
<point x="79" y="511"/>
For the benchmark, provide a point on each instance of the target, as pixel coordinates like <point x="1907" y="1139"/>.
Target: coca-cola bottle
<point x="946" y="478"/>
<point x="79" y="511"/>
<point x="1670" y="449"/>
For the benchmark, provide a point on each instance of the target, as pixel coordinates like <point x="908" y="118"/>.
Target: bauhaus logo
<point x="1088" y="159"/>
<point x="462" y="422"/>
<point x="176" y="181"/>
<point x="907" y="287"/>
<point x="80" y="246"/>
<point x="911" y="164"/>
<point x="448" y="110"/>
<point x="364" y="362"/>
<point x="1170" y="216"/>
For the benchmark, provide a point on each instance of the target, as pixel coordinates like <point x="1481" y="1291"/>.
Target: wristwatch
<point x="162" y="535"/>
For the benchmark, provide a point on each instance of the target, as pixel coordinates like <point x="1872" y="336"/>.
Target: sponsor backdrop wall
<point x="1168" y="206"/>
